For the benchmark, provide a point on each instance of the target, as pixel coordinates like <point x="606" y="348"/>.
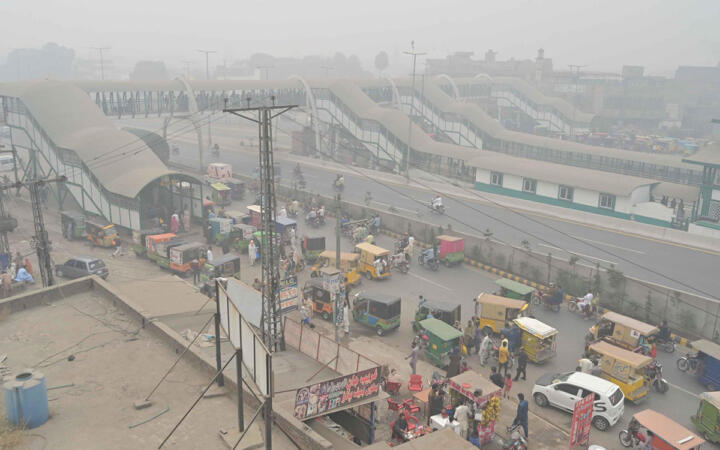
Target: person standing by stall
<point x="462" y="415"/>
<point x="436" y="401"/>
<point x="521" y="416"/>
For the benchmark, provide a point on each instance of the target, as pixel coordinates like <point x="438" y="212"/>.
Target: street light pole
<point x="207" y="77"/>
<point x="414" y="54"/>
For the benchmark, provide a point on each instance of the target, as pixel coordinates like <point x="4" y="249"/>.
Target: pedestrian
<point x="453" y="368"/>
<point x="28" y="266"/>
<point x="435" y="401"/>
<point x="469" y="335"/>
<point x="462" y="415"/>
<point x="118" y="248"/>
<point x="174" y="223"/>
<point x="522" y="359"/>
<point x="306" y="316"/>
<point x="508" y="386"/>
<point x="521" y="417"/>
<point x="195" y="267"/>
<point x="585" y="364"/>
<point x="6" y="283"/>
<point x="413" y="357"/>
<point x="257" y="284"/>
<point x="503" y="356"/>
<point x="484" y="351"/>
<point x="477" y="337"/>
<point x="23" y="275"/>
<point x="209" y="254"/>
<point x="496" y="378"/>
<point x="515" y="338"/>
<point x="18" y="259"/>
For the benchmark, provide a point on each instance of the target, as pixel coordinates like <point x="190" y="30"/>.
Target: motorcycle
<point x="496" y="353"/>
<point x="689" y="362"/>
<point x="516" y="441"/>
<point x="653" y="373"/>
<point x="547" y="302"/>
<point x="630" y="437"/>
<point x="574" y="306"/>
<point x="430" y="262"/>
<point x="314" y="222"/>
<point x="399" y="262"/>
<point x="667" y="345"/>
<point x="339" y="184"/>
<point x="440" y="209"/>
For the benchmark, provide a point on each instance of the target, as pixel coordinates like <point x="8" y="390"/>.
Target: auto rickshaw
<point x="162" y="251"/>
<point x="219" y="171"/>
<point x="373" y="261"/>
<point x="182" y="255"/>
<point x="255" y="215"/>
<point x="321" y="298"/>
<point x="152" y="241"/>
<point x="495" y="312"/>
<point x="378" y="311"/>
<point x="285" y="227"/>
<point x="666" y="433"/>
<point x="73" y="224"/>
<point x="452" y="249"/>
<point x="707" y="419"/>
<point x="224" y="266"/>
<point x="513" y="289"/>
<point x="312" y="247"/>
<point x="447" y="312"/>
<point x="348" y="264"/>
<point x="220" y="194"/>
<point x="221" y="228"/>
<point x="442" y="338"/>
<point x="622" y="331"/>
<point x="237" y="188"/>
<point x="237" y="217"/>
<point x="138" y="239"/>
<point x="538" y="339"/>
<point x="624" y="368"/>
<point x="706" y="363"/>
<point x="100" y="232"/>
<point x="241" y="234"/>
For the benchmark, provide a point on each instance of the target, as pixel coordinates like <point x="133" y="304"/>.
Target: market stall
<point x="484" y="397"/>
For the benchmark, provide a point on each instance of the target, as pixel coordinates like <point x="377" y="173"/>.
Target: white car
<point x="563" y="390"/>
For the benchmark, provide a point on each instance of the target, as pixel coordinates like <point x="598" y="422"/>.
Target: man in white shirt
<point x="585" y="365"/>
<point x="585" y="302"/>
<point x="209" y="254"/>
<point x="462" y="415"/>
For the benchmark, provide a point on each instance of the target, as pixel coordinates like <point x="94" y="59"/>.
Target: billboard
<point x="327" y="396"/>
<point x="582" y="420"/>
<point x="288" y="294"/>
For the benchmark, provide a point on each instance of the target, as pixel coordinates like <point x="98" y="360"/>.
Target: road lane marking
<point x="675" y="386"/>
<point x="577" y="254"/>
<point x="606" y="244"/>
<point x="552" y="247"/>
<point x="430" y="281"/>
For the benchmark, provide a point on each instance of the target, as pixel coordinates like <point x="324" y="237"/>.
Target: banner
<point x="582" y="421"/>
<point x="288" y="294"/>
<point x="327" y="396"/>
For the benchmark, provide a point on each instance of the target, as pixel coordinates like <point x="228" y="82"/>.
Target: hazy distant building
<point x="149" y="70"/>
<point x="51" y="61"/>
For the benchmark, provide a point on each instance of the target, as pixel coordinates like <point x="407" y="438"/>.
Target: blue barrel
<point x="26" y="400"/>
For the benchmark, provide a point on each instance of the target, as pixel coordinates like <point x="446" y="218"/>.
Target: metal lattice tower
<point x="270" y="322"/>
<point x="4" y="245"/>
<point x="42" y="243"/>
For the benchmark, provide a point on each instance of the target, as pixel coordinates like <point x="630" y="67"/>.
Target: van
<point x="6" y="163"/>
<point x="563" y="390"/>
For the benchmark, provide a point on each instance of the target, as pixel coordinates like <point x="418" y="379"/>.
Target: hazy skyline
<point x="603" y="35"/>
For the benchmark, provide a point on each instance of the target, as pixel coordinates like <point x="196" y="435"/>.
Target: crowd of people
<point x="19" y="270"/>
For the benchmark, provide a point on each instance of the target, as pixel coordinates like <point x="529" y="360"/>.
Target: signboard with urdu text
<point x="582" y="421"/>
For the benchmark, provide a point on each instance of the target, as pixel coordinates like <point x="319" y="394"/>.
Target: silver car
<point x="82" y="266"/>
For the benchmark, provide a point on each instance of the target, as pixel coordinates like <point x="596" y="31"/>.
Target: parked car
<point x="82" y="266"/>
<point x="563" y="390"/>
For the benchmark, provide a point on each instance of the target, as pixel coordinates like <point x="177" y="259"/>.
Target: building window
<point x="565" y="193"/>
<point x="529" y="185"/>
<point x="607" y="201"/>
<point x="496" y="178"/>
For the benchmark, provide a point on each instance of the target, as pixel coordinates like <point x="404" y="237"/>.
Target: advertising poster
<point x="582" y="421"/>
<point x="288" y="294"/>
<point x="326" y="396"/>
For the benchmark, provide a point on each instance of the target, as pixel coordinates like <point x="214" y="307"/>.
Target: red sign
<point x="582" y="421"/>
<point x="324" y="397"/>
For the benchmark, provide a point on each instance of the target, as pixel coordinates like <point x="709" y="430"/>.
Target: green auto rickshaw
<point x="441" y="340"/>
<point x="378" y="311"/>
<point x="73" y="224"/>
<point x="707" y="419"/>
<point x="225" y="266"/>
<point x="445" y="311"/>
<point x="513" y="289"/>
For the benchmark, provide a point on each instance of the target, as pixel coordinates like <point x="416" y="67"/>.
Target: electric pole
<point x="414" y="54"/>
<point x="41" y="242"/>
<point x="207" y="77"/>
<point x="102" y="60"/>
<point x="338" y="294"/>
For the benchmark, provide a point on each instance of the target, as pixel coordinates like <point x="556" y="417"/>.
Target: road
<point x="676" y="266"/>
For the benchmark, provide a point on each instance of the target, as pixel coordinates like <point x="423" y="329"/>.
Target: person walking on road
<point x="195" y="266"/>
<point x="484" y="351"/>
<point x="496" y="378"/>
<point x="521" y="417"/>
<point x="413" y="357"/>
<point x="503" y="356"/>
<point x="522" y="359"/>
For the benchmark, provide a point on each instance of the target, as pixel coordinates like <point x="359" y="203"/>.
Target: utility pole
<point x="41" y="242"/>
<point x="414" y="54"/>
<point x="338" y="300"/>
<point x="577" y="68"/>
<point x="207" y="77"/>
<point x="102" y="60"/>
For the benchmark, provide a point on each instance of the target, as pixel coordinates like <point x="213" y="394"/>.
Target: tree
<point x="382" y="61"/>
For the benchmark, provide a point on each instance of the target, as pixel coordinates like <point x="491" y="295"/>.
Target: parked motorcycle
<point x="630" y="437"/>
<point x="689" y="361"/>
<point x="431" y="262"/>
<point x="516" y="441"/>
<point x="653" y="373"/>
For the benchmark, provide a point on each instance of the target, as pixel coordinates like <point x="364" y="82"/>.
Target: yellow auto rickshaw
<point x="373" y="261"/>
<point x="494" y="312"/>
<point x="100" y="232"/>
<point x="624" y="368"/>
<point x="538" y="339"/>
<point x="623" y="331"/>
<point x="348" y="264"/>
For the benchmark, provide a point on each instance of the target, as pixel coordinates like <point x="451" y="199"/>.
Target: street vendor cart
<point x="484" y="397"/>
<point x="452" y="249"/>
<point x="538" y="339"/>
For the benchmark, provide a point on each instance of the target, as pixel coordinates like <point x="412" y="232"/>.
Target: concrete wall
<point x="585" y="197"/>
<point x="512" y="182"/>
<point x="547" y="189"/>
<point x="482" y="176"/>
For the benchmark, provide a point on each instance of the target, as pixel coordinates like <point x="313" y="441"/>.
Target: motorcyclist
<point x="429" y="254"/>
<point x="216" y="149"/>
<point x="321" y="214"/>
<point x="585" y="304"/>
<point x="339" y="181"/>
<point x="404" y="241"/>
<point x="311" y="216"/>
<point x="436" y="202"/>
<point x="297" y="171"/>
<point x="664" y="334"/>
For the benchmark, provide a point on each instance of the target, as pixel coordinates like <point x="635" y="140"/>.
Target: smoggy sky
<point x="603" y="35"/>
